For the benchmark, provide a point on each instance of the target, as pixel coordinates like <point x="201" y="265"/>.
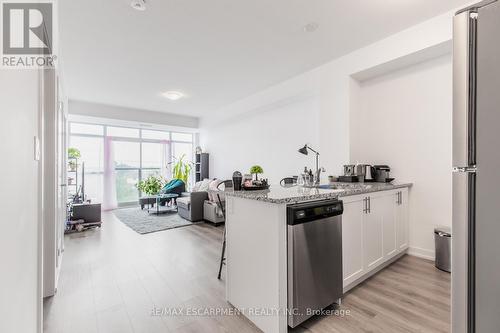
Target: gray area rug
<point x="144" y="223"/>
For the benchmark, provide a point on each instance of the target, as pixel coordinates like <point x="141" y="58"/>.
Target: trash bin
<point x="442" y="240"/>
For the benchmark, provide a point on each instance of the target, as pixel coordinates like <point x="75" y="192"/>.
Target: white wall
<point x="404" y="119"/>
<point x="330" y="85"/>
<point x="267" y="138"/>
<point x="128" y="114"/>
<point x="20" y="289"/>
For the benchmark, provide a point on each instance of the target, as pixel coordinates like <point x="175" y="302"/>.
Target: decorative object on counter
<point x="237" y="180"/>
<point x="198" y="150"/>
<point x="317" y="174"/>
<point x="255" y="170"/>
<point x="256" y="185"/>
<point x="247" y="177"/>
<point x="349" y="170"/>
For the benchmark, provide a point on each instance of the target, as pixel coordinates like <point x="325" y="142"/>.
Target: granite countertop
<point x="293" y="194"/>
<point x="360" y="188"/>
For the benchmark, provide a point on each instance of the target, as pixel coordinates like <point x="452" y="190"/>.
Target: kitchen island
<point x="256" y="227"/>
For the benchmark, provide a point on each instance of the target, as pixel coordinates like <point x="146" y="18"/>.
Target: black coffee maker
<point x="381" y="173"/>
<point x="237" y="179"/>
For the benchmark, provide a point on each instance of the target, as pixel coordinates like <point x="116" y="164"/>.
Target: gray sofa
<point x="190" y="205"/>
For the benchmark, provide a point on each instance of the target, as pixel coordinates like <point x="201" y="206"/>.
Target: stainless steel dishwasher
<point x="314" y="258"/>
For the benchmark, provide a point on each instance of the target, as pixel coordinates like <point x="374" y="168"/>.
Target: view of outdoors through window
<point x="138" y="154"/>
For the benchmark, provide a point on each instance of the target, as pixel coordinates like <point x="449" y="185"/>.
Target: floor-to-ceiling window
<point x="137" y="154"/>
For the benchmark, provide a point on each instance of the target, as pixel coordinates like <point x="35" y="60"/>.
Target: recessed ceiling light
<point x="311" y="27"/>
<point x="138" y="5"/>
<point x="173" y="95"/>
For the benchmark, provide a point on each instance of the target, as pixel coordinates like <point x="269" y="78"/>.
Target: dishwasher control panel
<point x="307" y="212"/>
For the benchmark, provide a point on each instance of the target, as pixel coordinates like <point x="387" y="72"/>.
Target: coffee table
<point x="159" y="197"/>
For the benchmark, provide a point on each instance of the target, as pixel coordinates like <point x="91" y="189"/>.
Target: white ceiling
<point x="215" y="51"/>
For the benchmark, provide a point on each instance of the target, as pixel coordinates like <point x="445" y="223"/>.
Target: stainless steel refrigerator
<point x="476" y="178"/>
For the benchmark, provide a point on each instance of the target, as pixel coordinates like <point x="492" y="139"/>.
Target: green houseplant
<point x="256" y="170"/>
<point x="151" y="185"/>
<point x="181" y="169"/>
<point x="74" y="153"/>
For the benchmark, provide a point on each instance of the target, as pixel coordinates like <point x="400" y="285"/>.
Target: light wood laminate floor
<point x="112" y="279"/>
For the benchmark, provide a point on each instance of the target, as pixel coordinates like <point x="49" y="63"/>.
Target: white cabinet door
<point x="373" y="233"/>
<point x="352" y="239"/>
<point x="402" y="221"/>
<point x="388" y="207"/>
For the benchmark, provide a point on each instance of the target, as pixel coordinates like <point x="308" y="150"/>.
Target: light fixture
<point x="173" y="95"/>
<point x="311" y="27"/>
<point x="138" y="5"/>
<point x="305" y="150"/>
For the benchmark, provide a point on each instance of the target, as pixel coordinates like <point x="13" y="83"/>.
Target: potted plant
<point x="151" y="185"/>
<point x="256" y="170"/>
<point x="74" y="153"/>
<point x="181" y="169"/>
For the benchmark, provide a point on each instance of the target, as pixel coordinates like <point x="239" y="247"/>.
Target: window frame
<point x="140" y="140"/>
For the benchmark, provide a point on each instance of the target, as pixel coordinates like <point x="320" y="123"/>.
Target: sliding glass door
<point x="152" y="157"/>
<point x="127" y="168"/>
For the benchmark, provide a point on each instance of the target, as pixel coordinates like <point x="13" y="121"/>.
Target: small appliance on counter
<point x="349" y="174"/>
<point x="381" y="173"/>
<point x="349" y="170"/>
<point x="237" y="180"/>
<point x="364" y="172"/>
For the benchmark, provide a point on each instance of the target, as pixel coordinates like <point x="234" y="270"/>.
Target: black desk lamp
<point x="305" y="150"/>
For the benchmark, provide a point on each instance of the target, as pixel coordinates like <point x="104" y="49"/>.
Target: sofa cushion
<point x="184" y="202"/>
<point x="204" y="185"/>
<point x="197" y="186"/>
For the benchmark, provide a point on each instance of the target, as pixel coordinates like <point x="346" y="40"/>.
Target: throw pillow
<point x="212" y="196"/>
<point x="204" y="185"/>
<point x="196" y="186"/>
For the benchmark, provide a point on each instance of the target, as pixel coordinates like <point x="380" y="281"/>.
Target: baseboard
<point x="421" y="253"/>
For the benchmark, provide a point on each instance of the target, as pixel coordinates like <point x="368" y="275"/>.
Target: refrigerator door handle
<point x="469" y="169"/>
<point x="464" y="89"/>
